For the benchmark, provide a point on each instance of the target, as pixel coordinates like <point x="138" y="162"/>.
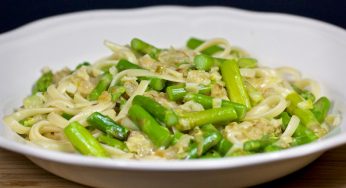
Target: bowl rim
<point x="172" y="165"/>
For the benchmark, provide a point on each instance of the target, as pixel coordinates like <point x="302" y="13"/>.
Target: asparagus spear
<point x="321" y="108"/>
<point x="159" y="135"/>
<point x="203" y="62"/>
<point x="116" y="92"/>
<point x="207" y="103"/>
<point x="106" y="139"/>
<point x="177" y="135"/>
<point x="124" y="64"/>
<point x="107" y="125"/>
<point x="190" y="120"/>
<point x="101" y="86"/>
<point x="259" y="145"/>
<point x="306" y="94"/>
<point x="306" y="116"/>
<point x="82" y="64"/>
<point x="155" y="83"/>
<point x="211" y="155"/>
<point x="157" y="110"/>
<point x="43" y="82"/>
<point x="178" y="92"/>
<point x="193" y="43"/>
<point x="83" y="141"/>
<point x="246" y="62"/>
<point x="211" y="137"/>
<point x="302" y="134"/>
<point x="145" y="48"/>
<point x="234" y="83"/>
<point x="224" y="146"/>
<point x="272" y="148"/>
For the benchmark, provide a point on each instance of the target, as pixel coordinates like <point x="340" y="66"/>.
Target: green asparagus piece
<point x="306" y="94"/>
<point x="224" y="146"/>
<point x="285" y="118"/>
<point x="43" y="82"/>
<point x="178" y="92"/>
<point x="211" y="137"/>
<point x="107" y="125"/>
<point x="161" y="113"/>
<point x="159" y="135"/>
<point x="234" y="83"/>
<point x="259" y="145"/>
<point x="176" y="137"/>
<point x="253" y="146"/>
<point x="207" y="103"/>
<point x="321" y="108"/>
<point x="190" y="120"/>
<point x="246" y="62"/>
<point x="124" y="64"/>
<point x="145" y="48"/>
<point x="106" y="139"/>
<point x="83" y="141"/>
<point x="300" y="140"/>
<point x="272" y="148"/>
<point x="116" y="92"/>
<point x="306" y="116"/>
<point x="82" y="64"/>
<point x="101" y="86"/>
<point x="193" y="43"/>
<point x="67" y="116"/>
<point x="203" y="62"/>
<point x="211" y="155"/>
<point x="156" y="83"/>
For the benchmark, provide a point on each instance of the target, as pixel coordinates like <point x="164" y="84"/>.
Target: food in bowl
<point x="208" y="100"/>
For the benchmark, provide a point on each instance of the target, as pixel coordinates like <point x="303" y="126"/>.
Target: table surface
<point x="327" y="171"/>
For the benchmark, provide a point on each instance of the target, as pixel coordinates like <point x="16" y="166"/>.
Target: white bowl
<point x="314" y="47"/>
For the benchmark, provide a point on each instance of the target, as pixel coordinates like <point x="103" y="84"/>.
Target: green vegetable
<point x="306" y="94"/>
<point x="107" y="125"/>
<point x="124" y="64"/>
<point x="176" y="137"/>
<point x="211" y="137"/>
<point x="43" y="82"/>
<point x="144" y="48"/>
<point x="272" y="148"/>
<point x="193" y="43"/>
<point x="83" y="141"/>
<point x="161" y="113"/>
<point x="306" y="116"/>
<point x="106" y="139"/>
<point x="190" y="120"/>
<point x="159" y="135"/>
<point x="82" y="64"/>
<point x="178" y="92"/>
<point x="203" y="62"/>
<point x="224" y="146"/>
<point x="67" y="116"/>
<point x="259" y="145"/>
<point x="116" y="92"/>
<point x="207" y="103"/>
<point x="101" y="86"/>
<point x="211" y="155"/>
<point x="246" y="62"/>
<point x="234" y="83"/>
<point x="321" y="108"/>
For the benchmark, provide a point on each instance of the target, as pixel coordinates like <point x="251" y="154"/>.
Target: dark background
<point x="14" y="13"/>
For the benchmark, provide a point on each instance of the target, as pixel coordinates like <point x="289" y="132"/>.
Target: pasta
<point x="208" y="100"/>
